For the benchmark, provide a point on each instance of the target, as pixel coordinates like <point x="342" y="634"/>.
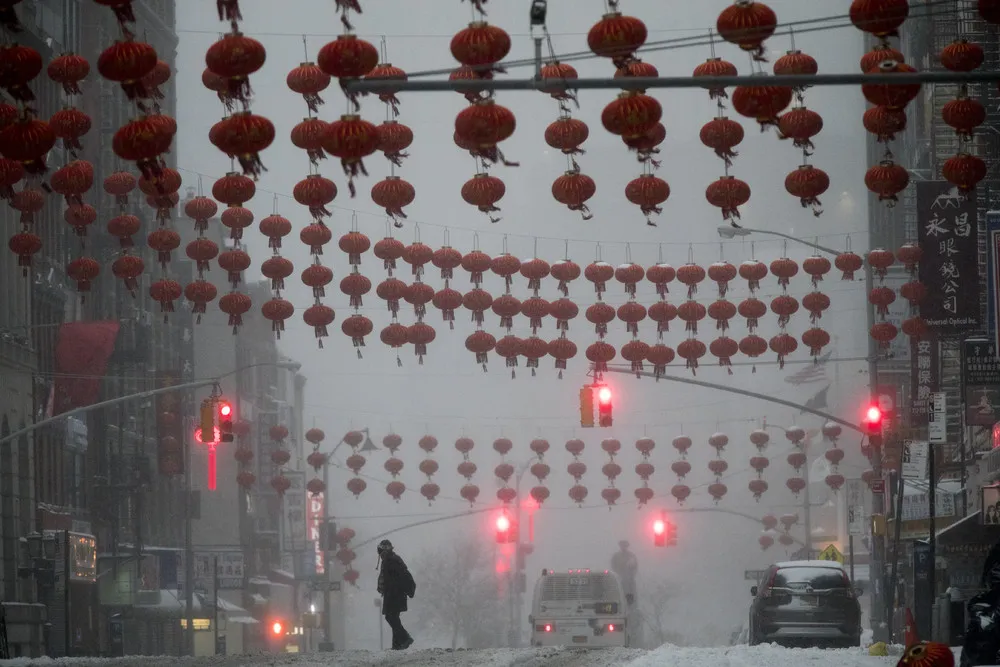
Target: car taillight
<point x="545" y="627"/>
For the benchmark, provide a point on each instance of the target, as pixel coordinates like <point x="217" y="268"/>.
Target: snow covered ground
<point x="667" y="656"/>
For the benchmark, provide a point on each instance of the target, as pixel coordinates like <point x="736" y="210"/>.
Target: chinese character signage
<point x="315" y="518"/>
<point x="981" y="382"/>
<point x="293" y="529"/>
<point x="993" y="274"/>
<point x="947" y="233"/>
<point x="169" y="425"/>
<point x="923" y="378"/>
<point x="228" y="567"/>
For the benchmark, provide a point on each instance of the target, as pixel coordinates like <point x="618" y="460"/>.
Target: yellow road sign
<point x="832" y="553"/>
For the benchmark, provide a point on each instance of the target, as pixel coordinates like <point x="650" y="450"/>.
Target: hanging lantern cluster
<point x="202" y="251"/>
<point x="632" y="312"/>
<point x="276" y="269"/>
<point x="506" y="494"/>
<point x="355" y="462"/>
<point x="611" y="470"/>
<point x="644" y="469"/>
<point x="831" y="432"/>
<point x="662" y="312"/>
<point x="681" y="467"/>
<point x="722" y="134"/>
<point x="316" y="460"/>
<point x="759" y="463"/>
<point x="73" y="180"/>
<point x="766" y="539"/>
<point x="691" y="312"/>
<point x="467" y="469"/>
<point x="784" y="306"/>
<point x="801" y="124"/>
<point x="914" y="291"/>
<point x="881" y="297"/>
<point x="234" y="190"/>
<point x="346" y="555"/>
<point x="429" y="466"/>
<point x="392" y="193"/>
<point x="576" y="469"/>
<point x="392" y="290"/>
<point x="418" y="294"/>
<point x="718" y="466"/>
<point x="796" y="458"/>
<point x="243" y="454"/>
<point x="887" y="116"/>
<point x="355" y="284"/>
<point x="722" y="311"/>
<point x="600" y="314"/>
<point x="540" y="469"/>
<point x="280" y="457"/>
<point x="161" y="190"/>
<point x="484" y="124"/>
<point x="964" y="114"/>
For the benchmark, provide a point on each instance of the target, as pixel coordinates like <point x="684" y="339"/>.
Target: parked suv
<point x="805" y="603"/>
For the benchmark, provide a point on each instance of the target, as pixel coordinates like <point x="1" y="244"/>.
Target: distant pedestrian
<point x="395" y="584"/>
<point x="626" y="566"/>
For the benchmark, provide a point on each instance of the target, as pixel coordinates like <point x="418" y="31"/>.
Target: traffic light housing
<point x="505" y="529"/>
<point x="604" y="406"/>
<point x="225" y="422"/>
<point x="873" y="419"/>
<point x="671" y="536"/>
<point x="587" y="407"/>
<point x="207" y="417"/>
<point x="659" y="533"/>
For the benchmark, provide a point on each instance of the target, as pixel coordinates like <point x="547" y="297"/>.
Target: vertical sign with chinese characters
<point x="293" y="529"/>
<point x="981" y="382"/>
<point x="169" y="425"/>
<point x="923" y="378"/>
<point x="314" y="519"/>
<point x="947" y="233"/>
<point x="993" y="275"/>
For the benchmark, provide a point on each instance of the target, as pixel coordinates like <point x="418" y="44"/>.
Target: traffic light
<point x="604" y="406"/>
<point x="872" y="420"/>
<point x="277" y="628"/>
<point x="207" y="417"/>
<point x="505" y="529"/>
<point x="225" y="421"/>
<point x="587" y="407"/>
<point x="671" y="534"/>
<point x="659" y="533"/>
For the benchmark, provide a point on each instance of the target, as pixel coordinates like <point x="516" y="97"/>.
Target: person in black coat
<point x="395" y="584"/>
<point x="982" y="636"/>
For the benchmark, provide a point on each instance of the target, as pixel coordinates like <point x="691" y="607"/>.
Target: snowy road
<point x="667" y="656"/>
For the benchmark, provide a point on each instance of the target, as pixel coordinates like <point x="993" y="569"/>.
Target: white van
<point x="579" y="608"/>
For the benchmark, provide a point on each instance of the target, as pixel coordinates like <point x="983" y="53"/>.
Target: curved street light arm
<point x="732" y="232"/>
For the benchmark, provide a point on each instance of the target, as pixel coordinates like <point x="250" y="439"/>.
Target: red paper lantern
<point x="964" y="115"/>
<point x="648" y="192"/>
<point x="567" y="134"/>
<point x="483" y="191"/>
<point x="234" y="189"/>
<point x="351" y="139"/>
<point x="795" y="63"/>
<point x="800" y="125"/>
<point x="728" y="193"/>
<point x="315" y="192"/>
<point x="319" y="317"/>
<point x="848" y="263"/>
<point x="393" y="193"/>
<point x="141" y="141"/>
<point x="962" y="56"/>
<point x="27" y="141"/>
<point x="573" y="190"/>
<point x="964" y="171"/>
<point x="200" y="293"/>
<point x="308" y="80"/>
<point x="309" y="135"/>
<point x="393" y="139"/>
<point x="82" y="271"/>
<point x="316" y="235"/>
<point x="70" y="124"/>
<point x="243" y="136"/>
<point x="68" y="70"/>
<point x="747" y="24"/>
<point x="631" y="115"/>
<point x="356" y="327"/>
<point x="887" y="179"/>
<point x="637" y="69"/>
<point x="764" y="103"/>
<point x="722" y="135"/>
<point x="910" y="255"/>
<point x="236" y="305"/>
<point x="617" y="37"/>
<point x="881" y="52"/>
<point x="808" y="183"/>
<point x="884" y="122"/>
<point x="348" y="57"/>
<point x="894" y="96"/>
<point x="480" y="45"/>
<point x="128" y="268"/>
<point x="558" y="75"/>
<point x="714" y="67"/>
<point x="388" y="72"/>
<point x="126" y="62"/>
<point x="880" y="18"/>
<point x="164" y="242"/>
<point x="233" y="58"/>
<point x="782" y="345"/>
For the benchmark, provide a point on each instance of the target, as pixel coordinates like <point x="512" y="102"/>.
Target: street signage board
<point x="856" y="520"/>
<point x="937" y="419"/>
<point x="993" y="276"/>
<point x="831" y="553"/>
<point x="229" y="567"/>
<point x="754" y="575"/>
<point x="915" y="457"/>
<point x="325" y="586"/>
<point x="878" y="486"/>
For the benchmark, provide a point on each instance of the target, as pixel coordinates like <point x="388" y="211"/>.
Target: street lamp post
<point x="879" y="610"/>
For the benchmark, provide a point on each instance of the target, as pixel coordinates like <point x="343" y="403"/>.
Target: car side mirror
<point x="859" y="591"/>
<point x="753" y="591"/>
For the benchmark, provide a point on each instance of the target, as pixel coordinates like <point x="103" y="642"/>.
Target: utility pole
<point x="188" y="550"/>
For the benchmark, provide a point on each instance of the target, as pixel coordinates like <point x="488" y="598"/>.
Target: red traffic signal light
<point x="503" y="524"/>
<point x="226" y="421"/>
<point x="505" y="532"/>
<point x="277" y="628"/>
<point x="873" y="419"/>
<point x="604" y="395"/>
<point x="604" y="407"/>
<point x="659" y="527"/>
<point x="225" y="409"/>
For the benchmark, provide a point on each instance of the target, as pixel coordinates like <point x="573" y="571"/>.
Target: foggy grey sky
<point x="449" y="395"/>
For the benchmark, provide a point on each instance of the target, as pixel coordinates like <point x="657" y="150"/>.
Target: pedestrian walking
<point x="395" y="585"/>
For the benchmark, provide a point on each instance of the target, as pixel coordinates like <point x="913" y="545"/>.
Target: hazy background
<point x="449" y="395"/>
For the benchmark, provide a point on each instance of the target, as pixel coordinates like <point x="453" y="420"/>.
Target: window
<point x="818" y="578"/>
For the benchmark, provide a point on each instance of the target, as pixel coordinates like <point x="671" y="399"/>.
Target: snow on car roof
<point x="810" y="563"/>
